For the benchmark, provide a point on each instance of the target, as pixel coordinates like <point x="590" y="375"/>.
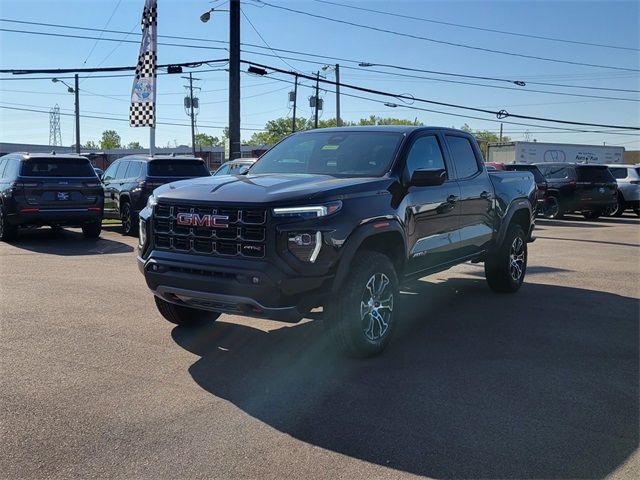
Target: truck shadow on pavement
<point x="541" y="384"/>
<point x="66" y="242"/>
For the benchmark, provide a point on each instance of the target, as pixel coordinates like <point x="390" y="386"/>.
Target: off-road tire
<point x="92" y="230"/>
<point x="129" y="220"/>
<point x="499" y="268"/>
<point x="8" y="232"/>
<point x="358" y="328"/>
<point x="184" y="316"/>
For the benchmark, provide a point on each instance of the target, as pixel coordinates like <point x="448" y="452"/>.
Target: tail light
<point x="92" y="184"/>
<point x="24" y="184"/>
<point x="29" y="210"/>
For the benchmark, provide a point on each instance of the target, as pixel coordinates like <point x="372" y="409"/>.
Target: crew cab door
<point x="431" y="212"/>
<point x="109" y="185"/>
<point x="477" y="212"/>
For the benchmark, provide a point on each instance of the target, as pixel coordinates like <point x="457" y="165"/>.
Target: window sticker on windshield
<point x="330" y="147"/>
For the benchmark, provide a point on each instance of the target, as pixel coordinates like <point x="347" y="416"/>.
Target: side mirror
<point x="430" y="177"/>
<point x="243" y="170"/>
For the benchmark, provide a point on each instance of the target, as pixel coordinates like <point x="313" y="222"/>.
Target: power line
<point x="105" y="26"/>
<point x="502" y="114"/>
<point x="443" y="42"/>
<point x="472" y="27"/>
<point x="325" y="57"/>
<point x="414" y="108"/>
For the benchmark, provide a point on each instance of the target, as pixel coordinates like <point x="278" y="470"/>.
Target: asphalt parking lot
<point x="540" y="384"/>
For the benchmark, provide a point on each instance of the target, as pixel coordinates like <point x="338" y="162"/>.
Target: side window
<point x="133" y="171"/>
<point x="12" y="167"/>
<point x="122" y="170"/>
<point x="557" y="173"/>
<point x="110" y="174"/>
<point x="3" y="164"/>
<point x="425" y="153"/>
<point x="223" y="170"/>
<point x="463" y="155"/>
<point x="616" y="172"/>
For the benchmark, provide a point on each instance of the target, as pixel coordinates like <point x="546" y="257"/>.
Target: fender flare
<point x="355" y="241"/>
<point x="517" y="205"/>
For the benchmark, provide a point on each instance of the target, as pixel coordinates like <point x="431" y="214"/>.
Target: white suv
<point x="628" y="179"/>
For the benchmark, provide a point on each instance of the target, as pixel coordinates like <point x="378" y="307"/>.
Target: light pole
<point x="234" y="75"/>
<point x="336" y="69"/>
<point x="76" y="92"/>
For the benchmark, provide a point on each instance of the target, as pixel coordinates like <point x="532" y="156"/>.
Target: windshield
<point x="350" y="154"/>
<point x="57" y="167"/>
<point x="178" y="168"/>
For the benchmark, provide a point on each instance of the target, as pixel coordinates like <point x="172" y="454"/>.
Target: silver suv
<point x="628" y="179"/>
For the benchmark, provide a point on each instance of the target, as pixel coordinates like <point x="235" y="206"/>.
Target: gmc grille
<point x="244" y="236"/>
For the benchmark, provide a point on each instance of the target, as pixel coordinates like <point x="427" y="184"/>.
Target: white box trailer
<point x="539" y="152"/>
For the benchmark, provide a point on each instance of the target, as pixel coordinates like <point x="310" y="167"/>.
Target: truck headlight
<point x="310" y="211"/>
<point x="142" y="231"/>
<point x="151" y="201"/>
<point x="305" y="246"/>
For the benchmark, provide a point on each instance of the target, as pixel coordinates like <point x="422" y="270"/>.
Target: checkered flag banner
<point x="143" y="93"/>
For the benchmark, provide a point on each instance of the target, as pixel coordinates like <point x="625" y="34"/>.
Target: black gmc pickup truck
<point x="337" y="218"/>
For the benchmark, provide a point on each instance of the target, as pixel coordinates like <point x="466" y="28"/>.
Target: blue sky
<point x="607" y="22"/>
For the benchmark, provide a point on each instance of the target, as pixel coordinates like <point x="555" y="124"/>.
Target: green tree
<point x="90" y="144"/>
<point x="204" y="140"/>
<point x="134" y="145"/>
<point x="110" y="140"/>
<point x="375" y="120"/>
<point x="484" y="137"/>
<point x="276" y="130"/>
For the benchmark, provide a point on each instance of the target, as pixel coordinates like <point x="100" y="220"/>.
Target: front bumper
<point x="233" y="286"/>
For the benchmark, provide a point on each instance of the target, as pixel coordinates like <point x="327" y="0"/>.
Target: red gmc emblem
<point x="197" y="220"/>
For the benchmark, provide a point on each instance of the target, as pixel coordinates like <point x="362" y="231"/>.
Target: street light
<point x="76" y="92"/>
<point x="234" y="74"/>
<point x="336" y="69"/>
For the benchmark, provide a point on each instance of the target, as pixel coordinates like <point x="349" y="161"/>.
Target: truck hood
<point x="270" y="188"/>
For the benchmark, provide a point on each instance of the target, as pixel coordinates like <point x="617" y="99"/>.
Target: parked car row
<point x="592" y="190"/>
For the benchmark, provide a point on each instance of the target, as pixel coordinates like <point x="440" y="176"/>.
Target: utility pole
<point x="315" y="122"/>
<point x="500" y="132"/>
<point x="192" y="103"/>
<point x="234" y="80"/>
<point x="338" y="121"/>
<point x="295" y="101"/>
<point x="77" y="95"/>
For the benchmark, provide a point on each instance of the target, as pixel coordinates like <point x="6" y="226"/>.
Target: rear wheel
<point x="362" y="318"/>
<point x="636" y="210"/>
<point x="591" y="214"/>
<point x="92" y="230"/>
<point x="505" y="268"/>
<point x="619" y="206"/>
<point x="129" y="220"/>
<point x="7" y="232"/>
<point x="552" y="209"/>
<point x="184" y="316"/>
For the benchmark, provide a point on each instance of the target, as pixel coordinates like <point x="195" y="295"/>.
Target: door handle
<point x="485" y="195"/>
<point x="452" y="199"/>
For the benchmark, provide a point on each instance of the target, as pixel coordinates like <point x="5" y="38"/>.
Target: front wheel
<point x="129" y="220"/>
<point x="505" y="268"/>
<point x="92" y="230"/>
<point x="184" y="316"/>
<point x="619" y="206"/>
<point x="362" y="318"/>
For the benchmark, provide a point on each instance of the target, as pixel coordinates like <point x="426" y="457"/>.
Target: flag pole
<point x="152" y="141"/>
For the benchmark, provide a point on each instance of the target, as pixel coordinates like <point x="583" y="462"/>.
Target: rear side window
<point x="111" y="172"/>
<point x="618" y="172"/>
<point x="177" y="168"/>
<point x="594" y="174"/>
<point x="133" y="170"/>
<point x="557" y="173"/>
<point x="223" y="170"/>
<point x="463" y="155"/>
<point x="57" y="167"/>
<point x="3" y="164"/>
